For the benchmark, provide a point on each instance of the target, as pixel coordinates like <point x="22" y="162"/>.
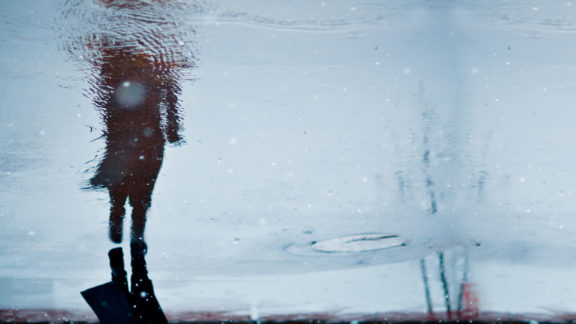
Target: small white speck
<point x="522" y="180"/>
<point x="141" y="157"/>
<point x="42" y="133"/>
<point x="232" y="141"/>
<point x="535" y="8"/>
<point x="126" y="84"/>
<point x="230" y="171"/>
<point x="407" y="71"/>
<point x="31" y="233"/>
<point x="353" y="8"/>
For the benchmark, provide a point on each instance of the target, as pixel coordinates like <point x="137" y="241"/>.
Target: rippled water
<point x="444" y="124"/>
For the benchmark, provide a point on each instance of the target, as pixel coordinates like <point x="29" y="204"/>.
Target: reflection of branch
<point x="92" y="128"/>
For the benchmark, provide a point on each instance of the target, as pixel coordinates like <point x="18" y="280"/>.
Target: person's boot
<point x="119" y="275"/>
<point x="146" y="308"/>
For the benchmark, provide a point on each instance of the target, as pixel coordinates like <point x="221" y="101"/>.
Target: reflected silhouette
<point x="134" y="94"/>
<point x="136" y="50"/>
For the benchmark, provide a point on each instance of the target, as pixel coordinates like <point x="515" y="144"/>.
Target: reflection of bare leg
<point x="139" y="211"/>
<point x="140" y="201"/>
<point x="118" y="197"/>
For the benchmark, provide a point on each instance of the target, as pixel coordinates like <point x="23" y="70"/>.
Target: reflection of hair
<point x="130" y="3"/>
<point x="159" y="29"/>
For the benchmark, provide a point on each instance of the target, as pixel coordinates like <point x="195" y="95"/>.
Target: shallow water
<point x="447" y="123"/>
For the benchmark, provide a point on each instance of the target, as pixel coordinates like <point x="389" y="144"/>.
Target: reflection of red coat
<point x="138" y="100"/>
<point x="137" y="50"/>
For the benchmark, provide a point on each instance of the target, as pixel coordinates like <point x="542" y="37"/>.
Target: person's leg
<point x="145" y="172"/>
<point x="145" y="305"/>
<point x="140" y="205"/>
<point x="119" y="275"/>
<point x="118" y="195"/>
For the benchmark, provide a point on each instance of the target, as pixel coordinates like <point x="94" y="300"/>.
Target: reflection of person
<point x="138" y="98"/>
<point x="137" y="52"/>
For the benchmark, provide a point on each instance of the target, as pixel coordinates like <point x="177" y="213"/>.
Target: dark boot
<point x="119" y="275"/>
<point x="146" y="308"/>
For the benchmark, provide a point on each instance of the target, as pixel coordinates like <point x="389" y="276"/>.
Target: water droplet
<point x="130" y="94"/>
<point x="148" y="132"/>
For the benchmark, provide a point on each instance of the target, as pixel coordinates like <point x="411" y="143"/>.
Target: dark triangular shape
<point x="110" y="304"/>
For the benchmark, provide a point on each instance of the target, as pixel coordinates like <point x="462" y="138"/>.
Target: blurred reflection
<point x="136" y="56"/>
<point x="134" y="94"/>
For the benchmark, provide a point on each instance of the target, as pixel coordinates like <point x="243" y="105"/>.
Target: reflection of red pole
<point x="471" y="301"/>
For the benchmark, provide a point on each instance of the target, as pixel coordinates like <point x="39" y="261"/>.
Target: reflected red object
<point x="471" y="307"/>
